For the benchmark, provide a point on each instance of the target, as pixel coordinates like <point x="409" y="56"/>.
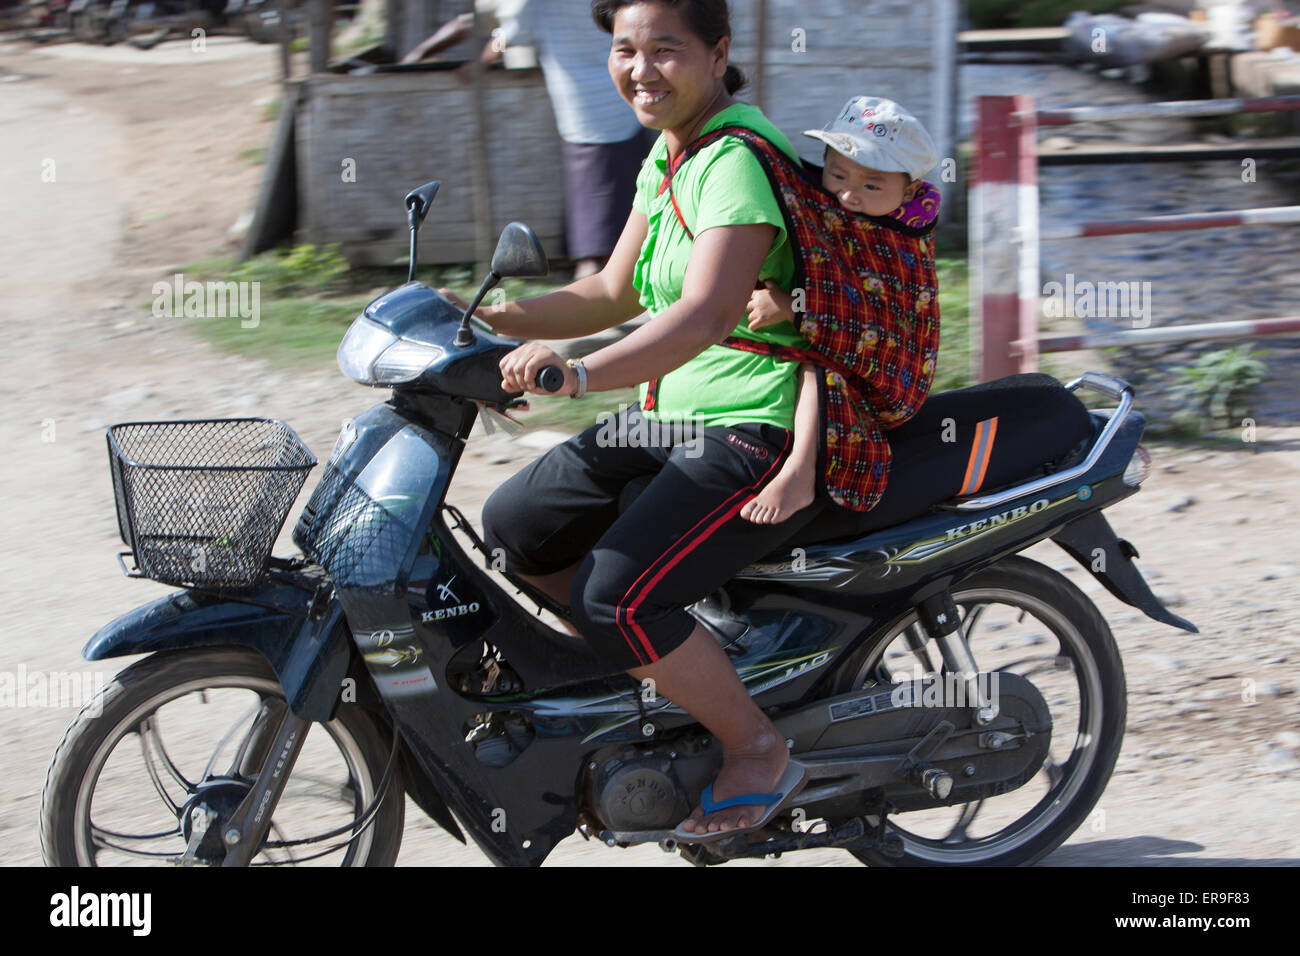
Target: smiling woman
<point x="691" y="255"/>
<point x="651" y="93"/>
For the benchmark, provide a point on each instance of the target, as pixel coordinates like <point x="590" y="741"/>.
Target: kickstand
<point x="883" y="841"/>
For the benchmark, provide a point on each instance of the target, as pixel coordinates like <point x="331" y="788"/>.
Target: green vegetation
<point x="1216" y="386"/>
<point x="348" y="40"/>
<point x="308" y="297"/>
<point x="464" y="280"/>
<point x="291" y="332"/>
<point x="954" y="369"/>
<point x="302" y="270"/>
<point x="255" y="155"/>
<point x="306" y="302"/>
<point x="565" y="415"/>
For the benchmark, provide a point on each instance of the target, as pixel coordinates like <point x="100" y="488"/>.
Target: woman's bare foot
<point x="752" y="769"/>
<point x="790" y="491"/>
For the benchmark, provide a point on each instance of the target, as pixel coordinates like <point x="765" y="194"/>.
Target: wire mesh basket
<point x="201" y="502"/>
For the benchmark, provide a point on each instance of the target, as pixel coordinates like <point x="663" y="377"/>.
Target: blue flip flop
<point x="787" y="788"/>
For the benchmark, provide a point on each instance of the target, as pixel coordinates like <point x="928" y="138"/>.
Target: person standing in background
<point x="603" y="144"/>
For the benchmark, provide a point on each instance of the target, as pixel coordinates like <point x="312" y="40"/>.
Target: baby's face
<point x="865" y="190"/>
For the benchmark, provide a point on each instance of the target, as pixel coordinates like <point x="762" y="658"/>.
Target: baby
<point x="876" y="153"/>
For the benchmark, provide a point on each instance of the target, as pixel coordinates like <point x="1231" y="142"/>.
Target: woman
<point x="627" y="577"/>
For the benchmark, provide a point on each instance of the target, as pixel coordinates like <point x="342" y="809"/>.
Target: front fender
<point x="310" y="658"/>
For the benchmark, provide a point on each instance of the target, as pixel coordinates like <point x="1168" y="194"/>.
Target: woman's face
<point x="667" y="73"/>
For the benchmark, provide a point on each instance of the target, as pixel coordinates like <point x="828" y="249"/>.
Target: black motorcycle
<point x="952" y="701"/>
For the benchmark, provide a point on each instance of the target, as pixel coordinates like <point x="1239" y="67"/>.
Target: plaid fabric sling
<point x="870" y="315"/>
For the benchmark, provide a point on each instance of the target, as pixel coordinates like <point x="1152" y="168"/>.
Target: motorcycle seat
<point x="963" y="442"/>
<point x="1016" y="428"/>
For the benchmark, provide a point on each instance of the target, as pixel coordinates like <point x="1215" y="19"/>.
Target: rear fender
<point x="1091" y="541"/>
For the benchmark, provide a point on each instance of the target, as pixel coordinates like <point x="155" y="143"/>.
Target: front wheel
<point x="1020" y="617"/>
<point x="189" y="729"/>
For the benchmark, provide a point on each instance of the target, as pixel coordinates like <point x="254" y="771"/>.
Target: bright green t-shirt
<point x="722" y="185"/>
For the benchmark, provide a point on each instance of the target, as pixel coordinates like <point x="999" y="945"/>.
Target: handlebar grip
<point x="550" y="378"/>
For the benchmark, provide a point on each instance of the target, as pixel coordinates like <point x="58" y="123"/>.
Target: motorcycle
<point x="388" y="658"/>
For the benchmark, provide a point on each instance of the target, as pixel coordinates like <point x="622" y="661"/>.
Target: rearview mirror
<point x="519" y="253"/>
<point x="420" y="199"/>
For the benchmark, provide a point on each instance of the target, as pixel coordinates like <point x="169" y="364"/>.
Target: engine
<point x="648" y="788"/>
<point x="639" y="792"/>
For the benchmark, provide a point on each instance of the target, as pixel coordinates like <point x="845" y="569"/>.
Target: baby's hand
<point x="769" y="306"/>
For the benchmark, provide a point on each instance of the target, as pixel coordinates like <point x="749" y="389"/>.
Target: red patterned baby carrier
<point x="871" y="315"/>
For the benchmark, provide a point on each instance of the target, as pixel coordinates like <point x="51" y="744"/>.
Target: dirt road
<point x="147" y="175"/>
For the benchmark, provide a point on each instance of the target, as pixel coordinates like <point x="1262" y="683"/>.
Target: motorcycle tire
<point x="1030" y="583"/>
<point x="140" y="690"/>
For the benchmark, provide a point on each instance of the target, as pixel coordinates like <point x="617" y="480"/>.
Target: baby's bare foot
<point x="787" y="494"/>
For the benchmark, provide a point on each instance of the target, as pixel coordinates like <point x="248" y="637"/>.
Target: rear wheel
<point x="1019" y="617"/>
<point x="187" y="729"/>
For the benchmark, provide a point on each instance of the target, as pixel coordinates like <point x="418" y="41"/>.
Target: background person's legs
<point x="599" y="183"/>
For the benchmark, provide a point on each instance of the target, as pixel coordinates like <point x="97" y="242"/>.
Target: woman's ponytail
<point x="735" y="79"/>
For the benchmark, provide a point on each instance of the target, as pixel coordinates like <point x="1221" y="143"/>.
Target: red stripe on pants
<point x="732" y="509"/>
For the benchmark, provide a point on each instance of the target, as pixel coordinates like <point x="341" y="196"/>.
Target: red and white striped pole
<point x="1004" y="237"/>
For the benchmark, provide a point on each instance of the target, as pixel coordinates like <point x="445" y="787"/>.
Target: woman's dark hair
<point x="710" y="20"/>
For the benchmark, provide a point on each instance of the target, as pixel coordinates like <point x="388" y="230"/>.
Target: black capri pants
<point x="679" y="540"/>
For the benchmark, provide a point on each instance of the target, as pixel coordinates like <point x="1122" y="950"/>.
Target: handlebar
<point x="550" y="378"/>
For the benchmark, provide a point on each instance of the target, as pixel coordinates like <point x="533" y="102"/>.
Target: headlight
<point x="372" y="355"/>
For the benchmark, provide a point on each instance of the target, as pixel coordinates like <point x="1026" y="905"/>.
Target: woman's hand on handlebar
<point x="521" y="366"/>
